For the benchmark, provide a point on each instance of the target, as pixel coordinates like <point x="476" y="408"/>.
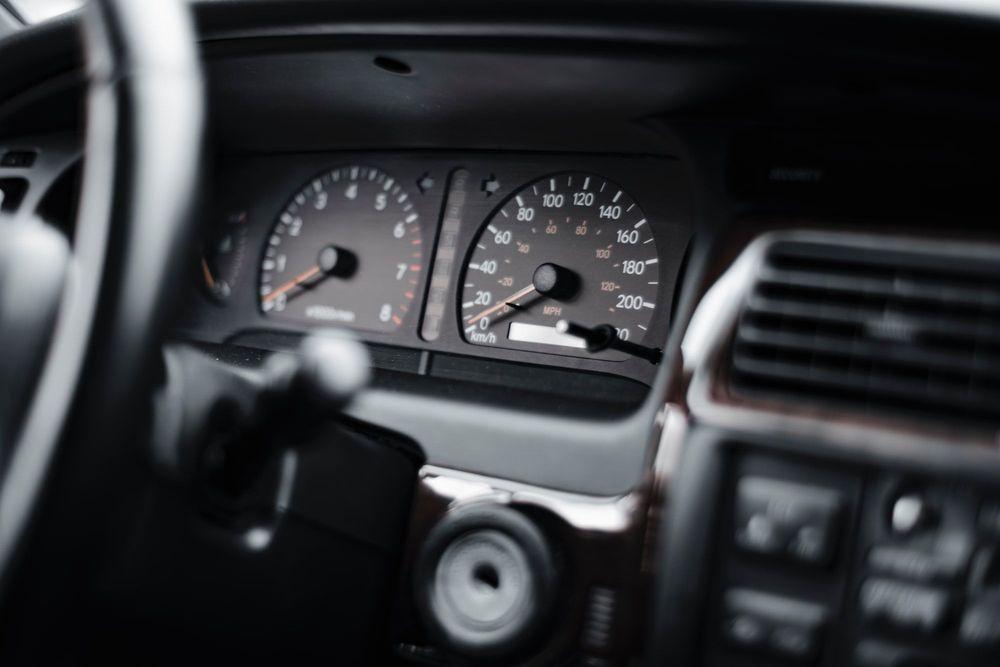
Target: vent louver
<point x="875" y="327"/>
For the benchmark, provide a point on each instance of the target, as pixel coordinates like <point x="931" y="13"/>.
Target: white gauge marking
<point x="536" y="333"/>
<point x="535" y="318"/>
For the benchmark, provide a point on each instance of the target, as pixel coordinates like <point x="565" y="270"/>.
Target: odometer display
<point x="345" y="251"/>
<point x="572" y="246"/>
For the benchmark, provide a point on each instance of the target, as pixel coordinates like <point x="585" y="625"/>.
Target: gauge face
<point x="569" y="247"/>
<point x="223" y="258"/>
<point x="345" y="251"/>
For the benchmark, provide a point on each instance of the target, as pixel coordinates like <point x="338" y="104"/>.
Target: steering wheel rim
<point x="144" y="124"/>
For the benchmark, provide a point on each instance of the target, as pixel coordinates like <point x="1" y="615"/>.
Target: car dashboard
<point x="691" y="311"/>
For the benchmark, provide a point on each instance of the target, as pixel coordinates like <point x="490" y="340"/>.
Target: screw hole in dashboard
<point x="392" y="65"/>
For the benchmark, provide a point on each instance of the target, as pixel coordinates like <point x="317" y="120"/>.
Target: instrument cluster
<point x="562" y="260"/>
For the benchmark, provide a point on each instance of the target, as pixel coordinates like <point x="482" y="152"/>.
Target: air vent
<point x="874" y="325"/>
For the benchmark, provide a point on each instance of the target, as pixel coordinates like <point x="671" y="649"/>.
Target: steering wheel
<point x="80" y="319"/>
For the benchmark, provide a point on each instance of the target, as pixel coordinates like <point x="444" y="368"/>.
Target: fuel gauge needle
<point x="492" y="309"/>
<point x="293" y="283"/>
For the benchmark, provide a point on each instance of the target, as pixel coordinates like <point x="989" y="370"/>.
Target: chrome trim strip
<point x="605" y="514"/>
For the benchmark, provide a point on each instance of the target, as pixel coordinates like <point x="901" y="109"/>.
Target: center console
<point x="829" y="511"/>
<point x="813" y="562"/>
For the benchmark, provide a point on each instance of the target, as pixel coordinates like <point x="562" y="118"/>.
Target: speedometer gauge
<point x="572" y="246"/>
<point x="346" y="250"/>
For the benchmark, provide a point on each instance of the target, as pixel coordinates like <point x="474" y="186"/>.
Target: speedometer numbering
<point x="571" y="246"/>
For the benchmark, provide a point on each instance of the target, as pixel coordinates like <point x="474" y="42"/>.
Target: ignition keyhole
<point x="485" y="574"/>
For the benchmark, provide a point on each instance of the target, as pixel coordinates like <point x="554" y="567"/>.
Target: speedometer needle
<point x="492" y="309"/>
<point x="293" y="283"/>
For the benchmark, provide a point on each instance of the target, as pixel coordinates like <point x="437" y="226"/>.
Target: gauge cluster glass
<point x="560" y="261"/>
<point x="571" y="246"/>
<point x="344" y="251"/>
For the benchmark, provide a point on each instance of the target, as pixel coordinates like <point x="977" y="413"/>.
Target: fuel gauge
<point x="223" y="257"/>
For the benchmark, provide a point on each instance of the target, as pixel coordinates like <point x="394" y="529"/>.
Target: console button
<point x="985" y="574"/>
<point x="793" y="641"/>
<point x="918" y="565"/>
<point x="904" y="606"/>
<point x="773" y="624"/>
<point x="872" y="653"/>
<point x="981" y="623"/>
<point x="746" y="630"/>
<point x="793" y="521"/>
<point x="910" y="513"/>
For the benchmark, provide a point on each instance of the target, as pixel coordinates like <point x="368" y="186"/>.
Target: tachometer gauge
<point x="345" y="251"/>
<point x="573" y="246"/>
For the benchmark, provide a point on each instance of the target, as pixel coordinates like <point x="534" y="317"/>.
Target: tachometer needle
<point x="504" y="303"/>
<point x="293" y="283"/>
